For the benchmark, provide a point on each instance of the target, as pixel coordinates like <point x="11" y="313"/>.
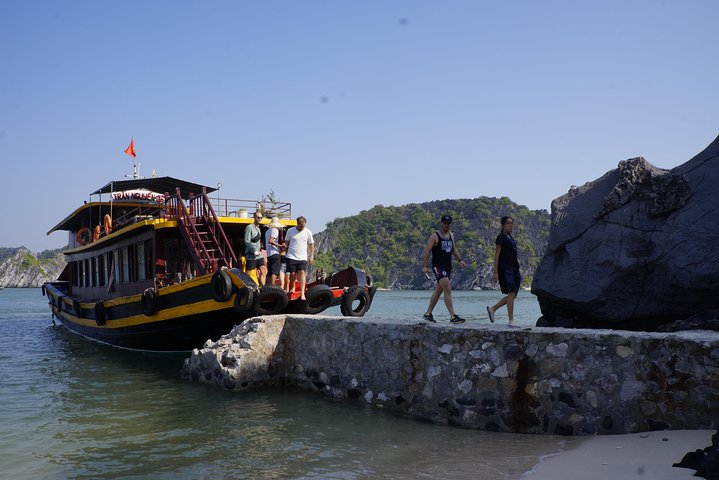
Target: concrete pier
<point x="488" y="377"/>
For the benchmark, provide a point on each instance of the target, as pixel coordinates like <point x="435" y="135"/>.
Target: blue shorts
<point x="441" y="272"/>
<point x="509" y="280"/>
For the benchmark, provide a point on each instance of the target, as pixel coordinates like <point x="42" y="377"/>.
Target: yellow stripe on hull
<point x="203" y="306"/>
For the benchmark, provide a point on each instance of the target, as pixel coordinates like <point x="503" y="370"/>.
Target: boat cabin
<point x="150" y="233"/>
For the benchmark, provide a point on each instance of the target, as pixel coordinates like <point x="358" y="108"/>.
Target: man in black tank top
<point x="441" y="245"/>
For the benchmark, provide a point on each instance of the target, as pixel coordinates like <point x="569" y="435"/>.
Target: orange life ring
<point x="83" y="236"/>
<point x="107" y="222"/>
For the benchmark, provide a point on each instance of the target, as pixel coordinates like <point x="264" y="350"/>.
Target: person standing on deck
<point x="442" y="246"/>
<point x="274" y="247"/>
<point x="253" y="255"/>
<point x="298" y="240"/>
<point x="506" y="270"/>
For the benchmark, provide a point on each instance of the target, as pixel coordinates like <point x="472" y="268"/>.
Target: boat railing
<point x="238" y="208"/>
<point x="134" y="215"/>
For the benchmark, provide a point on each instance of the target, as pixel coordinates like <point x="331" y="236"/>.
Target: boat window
<point x="140" y="254"/>
<point x="93" y="272"/>
<point x="172" y="257"/>
<point x="87" y="272"/>
<point x="132" y="263"/>
<point x="148" y="259"/>
<point x="101" y="270"/>
<point x="76" y="274"/>
<point x="107" y="264"/>
<point x="116" y="263"/>
<point x="124" y="265"/>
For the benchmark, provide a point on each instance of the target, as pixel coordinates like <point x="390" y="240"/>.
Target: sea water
<point x="71" y="408"/>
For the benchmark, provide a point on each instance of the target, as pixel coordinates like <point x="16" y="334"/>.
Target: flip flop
<point x="491" y="315"/>
<point x="513" y="325"/>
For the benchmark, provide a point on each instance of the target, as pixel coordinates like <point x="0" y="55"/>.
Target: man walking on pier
<point x="441" y="245"/>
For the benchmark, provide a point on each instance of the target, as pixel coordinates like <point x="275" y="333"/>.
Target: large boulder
<point x="635" y="249"/>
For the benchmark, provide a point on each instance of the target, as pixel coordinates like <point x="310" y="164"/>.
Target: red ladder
<point x="202" y="231"/>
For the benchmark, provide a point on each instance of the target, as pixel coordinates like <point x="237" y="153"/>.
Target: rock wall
<point x="534" y="380"/>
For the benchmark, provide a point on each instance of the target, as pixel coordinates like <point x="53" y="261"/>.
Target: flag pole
<point x="112" y="200"/>
<point x="130" y="150"/>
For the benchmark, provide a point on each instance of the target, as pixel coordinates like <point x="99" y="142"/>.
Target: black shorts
<point x="441" y="272"/>
<point x="253" y="264"/>
<point x="273" y="264"/>
<point x="296" y="265"/>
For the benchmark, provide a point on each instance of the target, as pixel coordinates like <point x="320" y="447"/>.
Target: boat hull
<point x="180" y="334"/>
<point x="183" y="316"/>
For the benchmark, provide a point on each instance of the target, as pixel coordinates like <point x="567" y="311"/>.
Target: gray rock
<point x="22" y="269"/>
<point x="635" y="249"/>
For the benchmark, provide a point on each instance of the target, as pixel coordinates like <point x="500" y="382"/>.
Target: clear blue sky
<point x="338" y="106"/>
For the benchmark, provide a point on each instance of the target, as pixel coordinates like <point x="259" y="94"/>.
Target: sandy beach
<point x="647" y="455"/>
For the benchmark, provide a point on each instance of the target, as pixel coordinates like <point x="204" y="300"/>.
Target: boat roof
<point x="156" y="184"/>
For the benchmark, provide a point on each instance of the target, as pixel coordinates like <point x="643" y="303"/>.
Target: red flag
<point x="130" y="150"/>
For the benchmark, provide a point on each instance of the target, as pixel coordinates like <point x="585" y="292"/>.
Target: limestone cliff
<point x="19" y="267"/>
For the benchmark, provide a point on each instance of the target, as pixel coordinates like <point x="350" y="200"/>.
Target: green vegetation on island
<point x="387" y="242"/>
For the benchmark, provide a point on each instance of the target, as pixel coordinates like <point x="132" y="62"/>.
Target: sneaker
<point x="429" y="317"/>
<point x="512" y="325"/>
<point x="491" y="315"/>
<point x="456" y="319"/>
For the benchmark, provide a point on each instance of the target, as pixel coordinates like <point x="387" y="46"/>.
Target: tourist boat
<point x="152" y="265"/>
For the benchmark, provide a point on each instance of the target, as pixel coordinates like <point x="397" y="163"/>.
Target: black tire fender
<point x="149" y="302"/>
<point x="58" y="304"/>
<point x="269" y="300"/>
<point x="351" y="295"/>
<point x="100" y="314"/>
<point x="319" y="298"/>
<point x="243" y="300"/>
<point x="221" y="286"/>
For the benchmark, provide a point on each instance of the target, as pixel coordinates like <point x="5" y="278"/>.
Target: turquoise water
<point x="71" y="408"/>
<point x="470" y="305"/>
